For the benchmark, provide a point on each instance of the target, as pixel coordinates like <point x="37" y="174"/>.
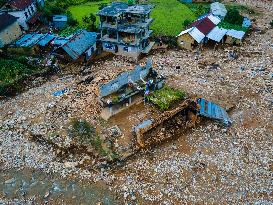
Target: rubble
<point x="211" y="163"/>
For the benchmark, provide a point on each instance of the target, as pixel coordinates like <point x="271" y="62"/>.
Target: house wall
<point x="10" y="34"/>
<point x="185" y="41"/>
<point x="120" y="49"/>
<point x="22" y="19"/>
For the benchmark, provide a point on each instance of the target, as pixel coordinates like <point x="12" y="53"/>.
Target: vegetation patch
<point x="199" y="9"/>
<point x="85" y="134"/>
<point x="165" y="97"/>
<point x="169" y="16"/>
<point x="12" y="72"/>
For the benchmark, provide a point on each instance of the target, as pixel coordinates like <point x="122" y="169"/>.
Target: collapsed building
<point x="80" y="46"/>
<point x="128" y="88"/>
<point x="125" y="30"/>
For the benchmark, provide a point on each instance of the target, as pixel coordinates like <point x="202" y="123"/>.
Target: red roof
<point x="205" y="26"/>
<point x="19" y="4"/>
<point x="34" y="18"/>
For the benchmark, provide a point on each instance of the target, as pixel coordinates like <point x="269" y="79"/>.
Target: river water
<point x="35" y="187"/>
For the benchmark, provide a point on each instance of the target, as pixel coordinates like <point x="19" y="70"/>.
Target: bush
<point x="233" y="17"/>
<point x="186" y="23"/>
<point x="271" y="24"/>
<point x="12" y="72"/>
<point x="165" y="97"/>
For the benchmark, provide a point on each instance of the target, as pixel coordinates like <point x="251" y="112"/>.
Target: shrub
<point x="165" y="97"/>
<point x="233" y="17"/>
<point x="83" y="132"/>
<point x="186" y="23"/>
<point x="271" y="24"/>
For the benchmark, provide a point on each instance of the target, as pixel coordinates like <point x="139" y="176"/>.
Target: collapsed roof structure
<point x="125" y="29"/>
<point x="128" y="88"/>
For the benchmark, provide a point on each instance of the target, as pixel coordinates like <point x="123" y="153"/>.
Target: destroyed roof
<point x="34" y="18"/>
<point x="19" y="4"/>
<point x="6" y="20"/>
<point x="79" y="43"/>
<point x="236" y="34"/>
<point x="217" y="34"/>
<point x="129" y="29"/>
<point x="123" y="79"/>
<point x="218" y="9"/>
<point x="139" y="9"/>
<point x="117" y="8"/>
<point x="31" y="39"/>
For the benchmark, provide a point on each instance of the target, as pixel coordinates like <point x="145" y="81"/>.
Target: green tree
<point x="131" y="2"/>
<point x="186" y="23"/>
<point x="92" y="19"/>
<point x="233" y="17"/>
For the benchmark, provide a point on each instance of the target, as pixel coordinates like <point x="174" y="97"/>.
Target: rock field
<point x="210" y="164"/>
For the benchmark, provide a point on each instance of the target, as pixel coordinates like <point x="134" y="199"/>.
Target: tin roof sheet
<point x="79" y="43"/>
<point x="46" y="39"/>
<point x="236" y="34"/>
<point x="217" y="34"/>
<point x="197" y="35"/>
<point x="205" y="26"/>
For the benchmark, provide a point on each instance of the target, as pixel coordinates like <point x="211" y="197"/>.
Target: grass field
<point x="169" y="15"/>
<point x="85" y="9"/>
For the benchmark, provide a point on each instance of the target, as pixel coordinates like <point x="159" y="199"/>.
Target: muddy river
<point x="35" y="187"/>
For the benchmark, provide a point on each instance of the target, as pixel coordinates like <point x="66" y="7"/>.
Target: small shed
<point x="234" y="37"/>
<point x="218" y="10"/>
<point x="59" y="21"/>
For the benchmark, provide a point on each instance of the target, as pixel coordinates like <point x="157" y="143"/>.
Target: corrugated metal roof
<point x="79" y="43"/>
<point x="46" y="39"/>
<point x="214" y="19"/>
<point x="197" y="35"/>
<point x="217" y="34"/>
<point x="236" y="34"/>
<point x="185" y="31"/>
<point x="29" y="40"/>
<point x="205" y="26"/>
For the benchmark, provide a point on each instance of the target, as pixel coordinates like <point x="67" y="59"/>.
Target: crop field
<point x="169" y="15"/>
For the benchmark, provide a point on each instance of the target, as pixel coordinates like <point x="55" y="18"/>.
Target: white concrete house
<point x="24" y="10"/>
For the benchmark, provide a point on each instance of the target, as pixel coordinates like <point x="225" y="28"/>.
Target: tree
<point x="92" y="19"/>
<point x="233" y="17"/>
<point x="130" y="2"/>
<point x="186" y="23"/>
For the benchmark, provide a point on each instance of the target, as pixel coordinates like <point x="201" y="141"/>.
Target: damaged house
<point x="9" y="29"/>
<point x="125" y="30"/>
<point x="80" y="46"/>
<point x="24" y="10"/>
<point x="128" y="88"/>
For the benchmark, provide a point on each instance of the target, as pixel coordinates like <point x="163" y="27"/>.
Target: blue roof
<point x="213" y="111"/>
<point x="246" y="22"/>
<point x="29" y="40"/>
<point x="79" y="43"/>
<point x="46" y="39"/>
